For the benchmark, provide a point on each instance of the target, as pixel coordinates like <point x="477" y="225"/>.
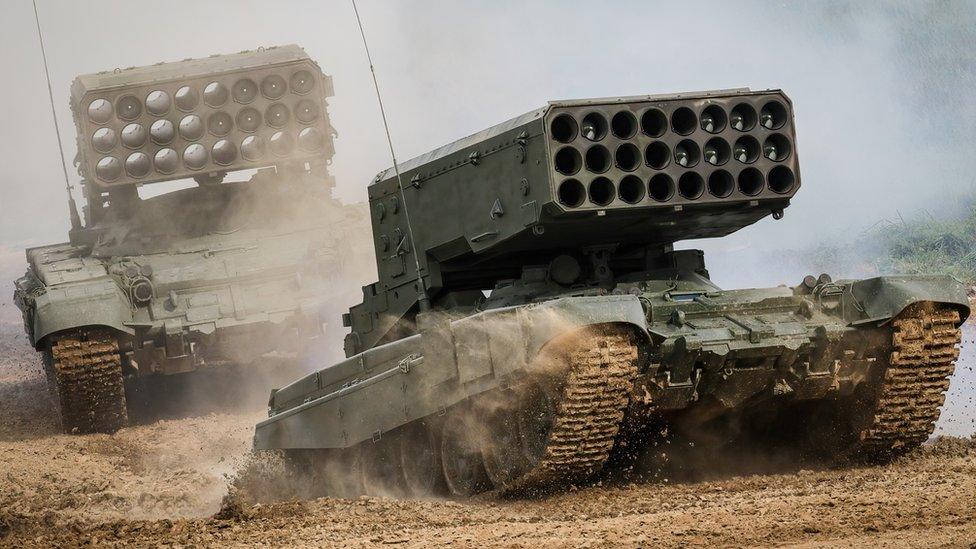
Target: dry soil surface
<point x="164" y="481"/>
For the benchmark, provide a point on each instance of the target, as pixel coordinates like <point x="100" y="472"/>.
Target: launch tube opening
<point x="750" y="181"/>
<point x="717" y="151"/>
<point x="220" y="123"/>
<point x="654" y="123"/>
<point x="601" y="191"/>
<point x="571" y="193"/>
<point x="623" y="125"/>
<point x="690" y="185"/>
<point x="683" y="121"/>
<point x="746" y="149"/>
<point x="627" y="157"/>
<point x="657" y="155"/>
<point x="568" y="161"/>
<point x="721" y="184"/>
<point x="781" y="180"/>
<point x="564" y="128"/>
<point x="594" y="126"/>
<point x="776" y="147"/>
<point x="743" y="117"/>
<point x="129" y="107"/>
<point x="713" y="119"/>
<point x="631" y="189"/>
<point x="773" y="115"/>
<point x="687" y="154"/>
<point x="597" y="159"/>
<point x="661" y="187"/>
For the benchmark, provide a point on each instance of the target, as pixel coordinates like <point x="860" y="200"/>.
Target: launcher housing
<point x="610" y="183"/>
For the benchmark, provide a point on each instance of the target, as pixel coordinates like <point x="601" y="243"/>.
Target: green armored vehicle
<point x="532" y="320"/>
<point x="215" y="273"/>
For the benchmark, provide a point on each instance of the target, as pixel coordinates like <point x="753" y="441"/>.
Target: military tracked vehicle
<point x="532" y="318"/>
<point x="216" y="273"/>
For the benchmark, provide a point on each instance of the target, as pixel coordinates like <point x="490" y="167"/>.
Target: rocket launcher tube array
<point x="655" y="169"/>
<point x="198" y="116"/>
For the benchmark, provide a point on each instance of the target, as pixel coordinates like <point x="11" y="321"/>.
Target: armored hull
<point x="541" y="342"/>
<point x="534" y="397"/>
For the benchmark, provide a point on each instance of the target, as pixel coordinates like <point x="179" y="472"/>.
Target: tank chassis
<point x="213" y="274"/>
<point x="532" y="320"/>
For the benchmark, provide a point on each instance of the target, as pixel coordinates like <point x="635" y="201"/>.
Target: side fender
<point x="98" y="302"/>
<point x="878" y="300"/>
<point x="500" y="341"/>
<point x="387" y="386"/>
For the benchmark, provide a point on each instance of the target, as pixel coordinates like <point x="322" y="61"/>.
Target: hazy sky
<point x="448" y="69"/>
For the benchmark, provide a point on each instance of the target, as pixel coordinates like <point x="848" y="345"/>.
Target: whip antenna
<point x="422" y="297"/>
<point x="75" y="220"/>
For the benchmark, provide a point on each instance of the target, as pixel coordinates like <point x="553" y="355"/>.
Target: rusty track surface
<point x="924" y="350"/>
<point x="589" y="413"/>
<point x="90" y="389"/>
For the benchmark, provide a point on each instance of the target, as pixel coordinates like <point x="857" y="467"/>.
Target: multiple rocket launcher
<point x="201" y="116"/>
<point x="653" y="169"/>
<point x="659" y="169"/>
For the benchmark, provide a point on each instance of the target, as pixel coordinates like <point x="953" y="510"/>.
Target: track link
<point x="90" y="391"/>
<point x="924" y="349"/>
<point x="593" y="397"/>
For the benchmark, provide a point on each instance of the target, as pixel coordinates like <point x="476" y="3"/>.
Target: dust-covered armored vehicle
<point x="532" y="320"/>
<point x="214" y="273"/>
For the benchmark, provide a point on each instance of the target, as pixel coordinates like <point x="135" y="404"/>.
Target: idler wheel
<point x="420" y="461"/>
<point x="502" y="446"/>
<point x="381" y="468"/>
<point x="464" y="470"/>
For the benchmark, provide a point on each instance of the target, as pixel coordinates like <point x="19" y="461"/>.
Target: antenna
<point x="75" y="220"/>
<point x="422" y="297"/>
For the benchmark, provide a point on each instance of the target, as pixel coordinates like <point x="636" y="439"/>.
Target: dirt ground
<point x="162" y="482"/>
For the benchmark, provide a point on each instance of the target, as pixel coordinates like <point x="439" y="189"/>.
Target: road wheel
<point x="502" y="446"/>
<point x="464" y="470"/>
<point x="381" y="467"/>
<point x="420" y="461"/>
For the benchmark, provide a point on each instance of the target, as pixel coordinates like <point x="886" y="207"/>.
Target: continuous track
<point x="924" y="350"/>
<point x="89" y="387"/>
<point x="600" y="370"/>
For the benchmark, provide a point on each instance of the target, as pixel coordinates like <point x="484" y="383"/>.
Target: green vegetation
<point x="944" y="244"/>
<point x="931" y="245"/>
